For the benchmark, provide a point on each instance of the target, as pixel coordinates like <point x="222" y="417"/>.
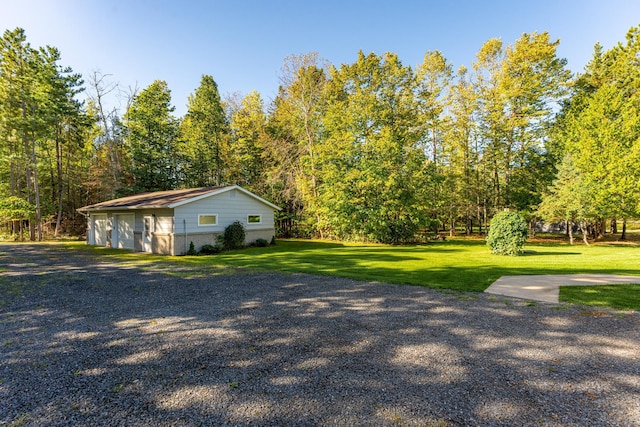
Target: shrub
<point x="262" y="243"/>
<point x="273" y="240"/>
<point x="507" y="234"/>
<point x="234" y="236"/>
<point x="211" y="249"/>
<point x="192" y="249"/>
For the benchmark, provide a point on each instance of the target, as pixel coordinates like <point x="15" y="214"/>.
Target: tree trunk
<point x="60" y="184"/>
<point x="601" y="228"/>
<point x="624" y="229"/>
<point x="532" y="227"/>
<point x="585" y="233"/>
<point x="570" y="231"/>
<point x="36" y="190"/>
<point x="613" y="226"/>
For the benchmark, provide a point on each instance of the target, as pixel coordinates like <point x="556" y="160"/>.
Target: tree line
<point x="374" y="150"/>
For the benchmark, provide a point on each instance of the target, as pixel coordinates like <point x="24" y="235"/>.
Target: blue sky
<point x="242" y="44"/>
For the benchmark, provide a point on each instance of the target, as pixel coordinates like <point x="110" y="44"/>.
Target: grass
<point x="464" y="265"/>
<point x="623" y="297"/>
<point x="458" y="264"/>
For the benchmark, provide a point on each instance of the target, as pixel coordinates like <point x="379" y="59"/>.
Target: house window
<point x="208" y="219"/>
<point x="254" y="219"/>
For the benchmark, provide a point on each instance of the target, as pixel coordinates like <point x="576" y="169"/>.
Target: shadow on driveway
<point x="85" y="341"/>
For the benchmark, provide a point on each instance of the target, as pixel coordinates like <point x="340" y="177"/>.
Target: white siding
<point x="230" y="206"/>
<point x="163" y="220"/>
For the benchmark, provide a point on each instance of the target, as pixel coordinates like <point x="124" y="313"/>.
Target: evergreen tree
<point x="204" y="138"/>
<point x="152" y="133"/>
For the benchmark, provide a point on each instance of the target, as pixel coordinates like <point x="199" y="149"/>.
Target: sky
<point x="243" y="43"/>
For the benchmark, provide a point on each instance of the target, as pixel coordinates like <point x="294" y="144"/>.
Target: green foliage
<point x="273" y="240"/>
<point x="152" y="135"/>
<point x="570" y="197"/>
<point x="204" y="138"/>
<point x="192" y="249"/>
<point x="15" y="208"/>
<point x="372" y="164"/>
<point x="248" y="124"/>
<point x="262" y="243"/>
<point x="211" y="249"/>
<point x="234" y="236"/>
<point x="507" y="234"/>
<point x="371" y="150"/>
<point x="518" y="87"/>
<point x="599" y="130"/>
<point x="43" y="128"/>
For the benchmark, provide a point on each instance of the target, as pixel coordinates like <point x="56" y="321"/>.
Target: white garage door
<point x="100" y="230"/>
<point x="124" y="231"/>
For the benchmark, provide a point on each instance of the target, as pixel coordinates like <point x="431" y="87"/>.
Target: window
<point x="254" y="219"/>
<point x="208" y="219"/>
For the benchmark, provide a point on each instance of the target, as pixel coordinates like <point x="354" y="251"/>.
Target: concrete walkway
<point x="546" y="288"/>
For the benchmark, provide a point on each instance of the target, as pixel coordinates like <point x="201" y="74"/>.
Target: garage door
<point x="124" y="231"/>
<point x="100" y="230"/>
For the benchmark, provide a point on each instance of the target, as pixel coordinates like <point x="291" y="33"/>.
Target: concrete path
<point x="546" y="288"/>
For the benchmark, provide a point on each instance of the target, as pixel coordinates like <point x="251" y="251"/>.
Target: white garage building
<point x="166" y="222"/>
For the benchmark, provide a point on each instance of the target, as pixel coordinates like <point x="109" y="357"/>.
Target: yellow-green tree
<point x="519" y="88"/>
<point x="248" y="125"/>
<point x="372" y="176"/>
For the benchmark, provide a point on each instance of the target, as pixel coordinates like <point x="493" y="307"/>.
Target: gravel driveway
<point x="86" y="341"/>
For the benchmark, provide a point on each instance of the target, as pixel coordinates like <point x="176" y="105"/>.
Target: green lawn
<point x="624" y="297"/>
<point x="460" y="264"/>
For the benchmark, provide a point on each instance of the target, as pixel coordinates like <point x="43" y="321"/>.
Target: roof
<point x="167" y="199"/>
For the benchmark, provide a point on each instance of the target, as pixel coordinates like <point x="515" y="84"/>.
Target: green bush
<point x="262" y="243"/>
<point x="507" y="234"/>
<point x="192" y="249"/>
<point x="273" y="240"/>
<point x="234" y="236"/>
<point x="211" y="249"/>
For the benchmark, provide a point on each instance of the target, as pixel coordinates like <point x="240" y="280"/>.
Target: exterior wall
<point x="160" y="238"/>
<point x="173" y="229"/>
<point x="229" y="206"/>
<point x="162" y="243"/>
<point x="253" y="235"/>
<point x="181" y="246"/>
<point x="162" y="227"/>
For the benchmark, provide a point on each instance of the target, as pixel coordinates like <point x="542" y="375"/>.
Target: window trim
<point x="253" y="222"/>
<point x="200" y="224"/>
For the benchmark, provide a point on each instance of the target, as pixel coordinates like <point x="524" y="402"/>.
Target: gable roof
<point x="168" y="199"/>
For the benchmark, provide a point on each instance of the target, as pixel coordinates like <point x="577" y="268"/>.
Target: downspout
<point x="184" y="225"/>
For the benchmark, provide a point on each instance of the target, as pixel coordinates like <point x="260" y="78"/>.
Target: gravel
<point x="86" y="340"/>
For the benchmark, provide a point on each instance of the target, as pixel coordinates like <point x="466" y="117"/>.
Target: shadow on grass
<point x="464" y="265"/>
